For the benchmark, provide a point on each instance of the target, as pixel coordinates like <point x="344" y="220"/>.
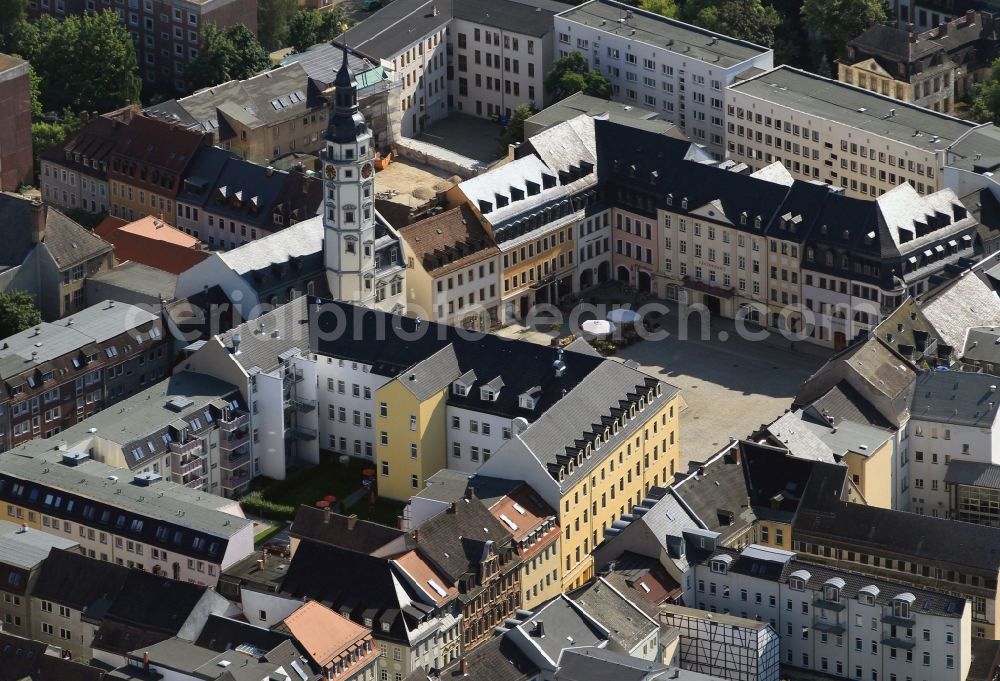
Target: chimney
<point x="942" y="29"/>
<point x="970" y="16"/>
<point x="470" y="492"/>
<point x="735" y="453"/>
<point x="416" y="534"/>
<point x="454" y="507"/>
<point x="352" y="520"/>
<point x="24" y="528"/>
<point x="145" y="662"/>
<point x="912" y="30"/>
<point x="39" y="212"/>
<point x="326" y="515"/>
<point x="263" y="557"/>
<point x="463" y="667"/>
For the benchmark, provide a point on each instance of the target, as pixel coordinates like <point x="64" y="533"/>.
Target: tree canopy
<point x="513" y="132"/>
<point x="571" y="74"/>
<point x="230" y="54"/>
<point x="838" y="21"/>
<point x="17" y="313"/>
<point x="985" y="104"/>
<point x="310" y="27"/>
<point x="85" y="63"/>
<point x="272" y="22"/>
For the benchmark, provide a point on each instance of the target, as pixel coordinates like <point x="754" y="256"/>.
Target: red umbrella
<point x="368" y="471"/>
<point x="330" y="498"/>
<point x="322" y="503"/>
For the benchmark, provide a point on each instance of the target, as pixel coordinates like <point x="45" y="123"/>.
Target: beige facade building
<point x="824" y="130"/>
<point x="452" y="270"/>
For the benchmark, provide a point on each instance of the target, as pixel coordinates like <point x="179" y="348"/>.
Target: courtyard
<point x="730" y="385"/>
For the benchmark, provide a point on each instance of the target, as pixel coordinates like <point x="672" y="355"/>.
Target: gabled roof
<point x="80" y="583"/>
<point x="324" y="634"/>
<point x="964" y="303"/>
<point x="152" y="242"/>
<point x="715" y="492"/>
<point x="455" y="541"/>
<point x="23" y="659"/>
<point x="360" y="536"/>
<point x="628" y="624"/>
<point x="353" y="584"/>
<point x="448" y="241"/>
<point x="67" y="242"/>
<point x="396" y="26"/>
<point x="497" y="659"/>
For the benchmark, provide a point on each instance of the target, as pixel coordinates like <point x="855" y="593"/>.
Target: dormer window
<point x="684" y="203"/>
<point x="797" y="580"/>
<point x="720" y="566"/>
<point x="460" y="389"/>
<point x="756" y="222"/>
<point x="743" y="218"/>
<point x="487" y="394"/>
<point x="529" y="400"/>
<point x="670" y="199"/>
<point x="831" y="593"/>
<point x="901" y="609"/>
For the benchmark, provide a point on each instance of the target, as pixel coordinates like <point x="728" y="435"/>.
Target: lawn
<point x="309" y="485"/>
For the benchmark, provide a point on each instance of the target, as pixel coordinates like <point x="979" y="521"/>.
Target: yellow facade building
<point x="410" y="445"/>
<point x="595" y="455"/>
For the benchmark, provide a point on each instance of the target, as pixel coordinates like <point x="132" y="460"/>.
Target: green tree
<point x="667" y="8"/>
<point x="985" y="99"/>
<point x="272" y="22"/>
<point x="45" y="136"/>
<point x="230" y="54"/>
<point x="87" y="63"/>
<point x="304" y="30"/>
<point x="838" y="21"/>
<point x="513" y="132"/>
<point x="310" y="27"/>
<point x="17" y="313"/>
<point x="13" y="19"/>
<point x="35" y="84"/>
<point x="571" y="74"/>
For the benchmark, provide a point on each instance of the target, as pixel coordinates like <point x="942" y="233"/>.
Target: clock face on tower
<point x="366" y="171"/>
<point x="331" y="172"/>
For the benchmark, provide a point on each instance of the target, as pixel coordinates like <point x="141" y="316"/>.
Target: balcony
<point x="234" y="480"/>
<point x="293" y="375"/>
<point x="194" y="482"/>
<point x="231" y="463"/>
<point x="896" y="642"/>
<point x="235" y="439"/>
<point x="187" y="447"/>
<point x="234" y="423"/>
<point x="185" y="465"/>
<point x="828" y="627"/>
<point x="908" y="622"/>
<point x="834" y="606"/>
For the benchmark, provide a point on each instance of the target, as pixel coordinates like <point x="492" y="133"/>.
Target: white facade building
<point x="953" y="418"/>
<point x="474" y="436"/>
<point x="678" y="70"/>
<point x="838" y="623"/>
<point x="347" y="407"/>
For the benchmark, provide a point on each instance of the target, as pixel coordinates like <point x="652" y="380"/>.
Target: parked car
<point x="278" y="548"/>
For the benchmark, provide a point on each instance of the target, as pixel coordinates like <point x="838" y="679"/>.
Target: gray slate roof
<point x="626" y="622"/>
<point x="956" y="397"/>
<point x="973" y="473"/>
<point x="853" y="106"/>
<point x="564" y="626"/>
<point x="653" y="29"/>
<point x="94" y="324"/>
